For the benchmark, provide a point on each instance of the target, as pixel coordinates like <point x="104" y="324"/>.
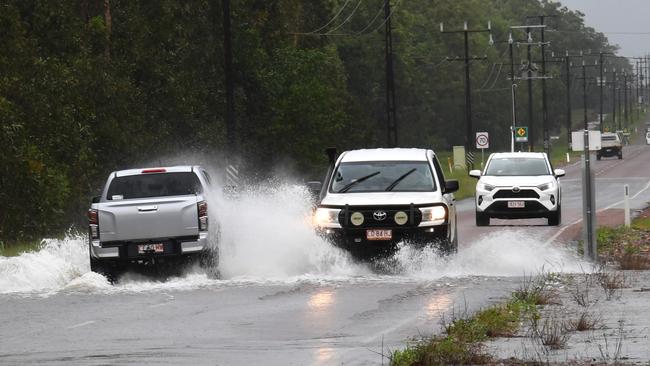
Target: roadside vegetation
<point x="464" y="335"/>
<point x="15" y="249"/>
<point x="629" y="247"/>
<point x="92" y="87"/>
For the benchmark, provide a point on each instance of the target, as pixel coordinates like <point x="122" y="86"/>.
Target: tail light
<point x="93" y="223"/>
<point x="202" y="209"/>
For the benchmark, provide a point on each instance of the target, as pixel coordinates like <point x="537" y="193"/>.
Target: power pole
<point x="530" y="77"/>
<point x="601" y="83"/>
<point x="531" y="136"/>
<point x="627" y="121"/>
<point x="513" y="85"/>
<point x="566" y="60"/>
<point x="569" y="126"/>
<point x="391" y="117"/>
<point x="468" y="91"/>
<point x="543" y="44"/>
<point x="230" y="84"/>
<point x="589" y="216"/>
<point x="614" y="82"/>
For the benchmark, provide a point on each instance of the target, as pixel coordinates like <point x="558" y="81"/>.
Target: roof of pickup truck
<point x="168" y="169"/>
<point x="397" y="154"/>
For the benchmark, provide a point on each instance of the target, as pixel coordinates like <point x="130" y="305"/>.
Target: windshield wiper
<point x="354" y="182"/>
<point x="396" y="182"/>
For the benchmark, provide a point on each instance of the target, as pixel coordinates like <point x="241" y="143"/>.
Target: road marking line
<point x="552" y="239"/>
<point x="81" y="324"/>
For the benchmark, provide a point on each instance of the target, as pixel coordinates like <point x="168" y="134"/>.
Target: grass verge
<point x="461" y="343"/>
<point x="629" y="247"/>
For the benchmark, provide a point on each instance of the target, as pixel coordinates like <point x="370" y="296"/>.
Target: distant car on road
<point x="150" y="216"/>
<point x="373" y="199"/>
<point x="611" y="145"/>
<point x="518" y="186"/>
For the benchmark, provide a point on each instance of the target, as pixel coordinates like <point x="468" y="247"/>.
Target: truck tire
<point x="620" y="155"/>
<point x="209" y="262"/>
<point x="450" y="247"/>
<point x="482" y="219"/>
<point x="104" y="269"/>
<point x="597" y="156"/>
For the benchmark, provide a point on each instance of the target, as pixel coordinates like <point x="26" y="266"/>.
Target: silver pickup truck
<point x="150" y="216"/>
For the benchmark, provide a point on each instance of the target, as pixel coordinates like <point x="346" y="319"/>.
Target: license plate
<point x="379" y="234"/>
<point x="150" y="248"/>
<point x="516" y="204"/>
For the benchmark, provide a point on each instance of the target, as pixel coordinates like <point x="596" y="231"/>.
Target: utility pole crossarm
<point x="468" y="94"/>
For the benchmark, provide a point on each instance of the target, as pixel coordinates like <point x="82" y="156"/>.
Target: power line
<point x="362" y="32"/>
<point x="372" y="21"/>
<point x="315" y="31"/>
<point x="346" y="19"/>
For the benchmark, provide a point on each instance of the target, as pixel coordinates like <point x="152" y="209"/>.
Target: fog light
<point x="357" y="240"/>
<point x="552" y="199"/>
<point x="480" y="200"/>
<point x="430" y="230"/>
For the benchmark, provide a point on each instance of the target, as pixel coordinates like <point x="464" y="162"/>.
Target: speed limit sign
<point x="482" y="140"/>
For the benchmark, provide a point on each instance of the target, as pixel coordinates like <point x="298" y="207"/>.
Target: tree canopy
<point x="87" y="87"/>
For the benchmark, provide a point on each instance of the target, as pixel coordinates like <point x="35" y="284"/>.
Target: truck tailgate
<point x="150" y="218"/>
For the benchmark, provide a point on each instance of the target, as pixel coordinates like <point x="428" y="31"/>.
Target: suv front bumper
<point x="355" y="238"/>
<point x="537" y="203"/>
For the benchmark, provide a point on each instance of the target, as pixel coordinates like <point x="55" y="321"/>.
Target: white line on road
<point x="81" y="324"/>
<point x="552" y="238"/>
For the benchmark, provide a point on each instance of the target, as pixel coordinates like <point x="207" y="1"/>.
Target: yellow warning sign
<point x="521" y="134"/>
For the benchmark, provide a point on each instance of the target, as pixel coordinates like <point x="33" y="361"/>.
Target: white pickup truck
<point x="611" y="146"/>
<point x="150" y="216"/>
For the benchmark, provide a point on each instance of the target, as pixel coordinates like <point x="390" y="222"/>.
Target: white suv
<point x="373" y="199"/>
<point x="518" y="186"/>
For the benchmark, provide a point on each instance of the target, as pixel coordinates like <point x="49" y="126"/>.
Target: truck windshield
<point x="383" y="176"/>
<point x="517" y="166"/>
<point x="153" y="185"/>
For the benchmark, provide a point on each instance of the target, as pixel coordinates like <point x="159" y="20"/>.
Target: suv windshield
<point x="153" y="185"/>
<point x="383" y="176"/>
<point x="517" y="166"/>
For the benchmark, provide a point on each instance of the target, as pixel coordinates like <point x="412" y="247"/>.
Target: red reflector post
<point x="147" y="171"/>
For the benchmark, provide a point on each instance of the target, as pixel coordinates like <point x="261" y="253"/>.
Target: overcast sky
<point x="618" y="16"/>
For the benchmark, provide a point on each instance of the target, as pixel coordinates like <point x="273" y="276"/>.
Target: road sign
<point x="521" y="134"/>
<point x="482" y="140"/>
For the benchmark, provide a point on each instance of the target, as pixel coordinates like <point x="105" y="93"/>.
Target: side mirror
<point x="475" y="173"/>
<point x="314" y="187"/>
<point x="95" y="199"/>
<point x="559" y="173"/>
<point x="451" y="186"/>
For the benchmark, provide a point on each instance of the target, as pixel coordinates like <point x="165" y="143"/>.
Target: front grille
<point x="369" y="221"/>
<point x="508" y="193"/>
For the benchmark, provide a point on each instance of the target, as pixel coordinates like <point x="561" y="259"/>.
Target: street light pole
<point x="513" y="85"/>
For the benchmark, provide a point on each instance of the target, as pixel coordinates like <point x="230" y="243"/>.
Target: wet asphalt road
<point x="348" y="321"/>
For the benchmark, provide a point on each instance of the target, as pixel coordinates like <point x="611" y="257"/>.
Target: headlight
<point x="546" y="186"/>
<point x="485" y="187"/>
<point x="435" y="215"/>
<point x="327" y="217"/>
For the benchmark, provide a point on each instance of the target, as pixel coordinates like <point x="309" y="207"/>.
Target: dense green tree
<point x="90" y="86"/>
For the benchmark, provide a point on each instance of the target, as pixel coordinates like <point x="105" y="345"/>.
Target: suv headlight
<point x="546" y="186"/>
<point x="485" y="187"/>
<point x="327" y="217"/>
<point x="435" y="215"/>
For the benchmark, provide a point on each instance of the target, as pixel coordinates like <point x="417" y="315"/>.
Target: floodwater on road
<point x="266" y="238"/>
